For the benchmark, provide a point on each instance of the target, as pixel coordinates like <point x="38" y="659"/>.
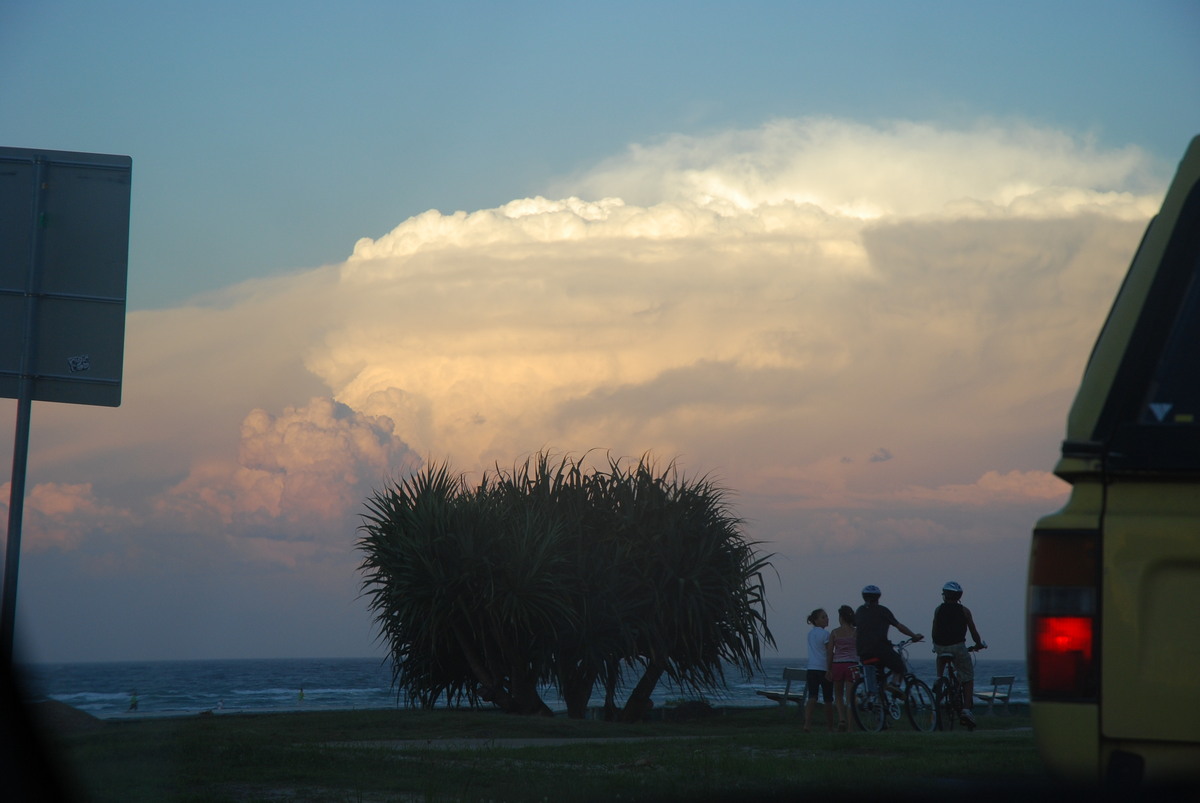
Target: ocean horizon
<point x="177" y="688"/>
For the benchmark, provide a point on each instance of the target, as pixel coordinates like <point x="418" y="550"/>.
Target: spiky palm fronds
<point x="553" y="573"/>
<point x="411" y="545"/>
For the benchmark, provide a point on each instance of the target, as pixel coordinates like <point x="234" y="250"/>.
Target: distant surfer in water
<point x="133" y="701"/>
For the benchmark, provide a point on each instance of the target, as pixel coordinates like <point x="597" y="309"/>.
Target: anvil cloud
<point x="870" y="333"/>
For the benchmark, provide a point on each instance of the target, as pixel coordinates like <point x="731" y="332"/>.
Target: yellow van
<point x="1113" y="609"/>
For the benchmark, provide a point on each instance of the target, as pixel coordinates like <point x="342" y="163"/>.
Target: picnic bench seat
<point x="787" y="696"/>
<point x="1001" y="691"/>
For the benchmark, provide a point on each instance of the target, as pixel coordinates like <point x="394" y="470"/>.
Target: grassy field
<point x="484" y="756"/>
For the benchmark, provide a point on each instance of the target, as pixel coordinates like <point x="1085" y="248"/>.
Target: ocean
<point x="177" y="688"/>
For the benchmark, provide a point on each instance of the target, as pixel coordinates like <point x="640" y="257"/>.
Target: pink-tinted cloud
<point x="993" y="488"/>
<point x="60" y="515"/>
<point x="303" y="471"/>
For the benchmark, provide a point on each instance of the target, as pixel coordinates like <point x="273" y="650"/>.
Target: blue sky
<point x="850" y="257"/>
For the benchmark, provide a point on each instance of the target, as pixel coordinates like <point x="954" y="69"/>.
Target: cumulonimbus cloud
<point x="773" y="305"/>
<point x="758" y="300"/>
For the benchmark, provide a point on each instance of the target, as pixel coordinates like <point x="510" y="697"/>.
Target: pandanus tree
<point x="467" y="594"/>
<point x="551" y="574"/>
<point x="695" y="583"/>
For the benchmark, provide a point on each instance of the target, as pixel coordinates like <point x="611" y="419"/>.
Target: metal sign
<point x="64" y="247"/>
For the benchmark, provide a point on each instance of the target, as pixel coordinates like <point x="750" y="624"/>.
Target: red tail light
<point x="1063" y="616"/>
<point x="1062" y="654"/>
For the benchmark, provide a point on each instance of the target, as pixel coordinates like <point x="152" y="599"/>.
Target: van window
<point x="1151" y="420"/>
<point x="1173" y="398"/>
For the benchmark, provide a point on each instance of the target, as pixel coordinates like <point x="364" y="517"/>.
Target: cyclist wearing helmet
<point x="951" y="621"/>
<point x="873" y="621"/>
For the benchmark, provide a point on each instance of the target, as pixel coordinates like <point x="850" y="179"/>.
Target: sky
<point x="848" y="259"/>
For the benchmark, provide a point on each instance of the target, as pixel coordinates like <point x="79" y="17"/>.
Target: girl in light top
<point x="842" y="655"/>
<point x="818" y="665"/>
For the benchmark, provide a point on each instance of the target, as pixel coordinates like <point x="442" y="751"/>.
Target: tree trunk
<point x="523" y="684"/>
<point x="639" y="703"/>
<point x="522" y="678"/>
<point x="610" y="693"/>
<point x="491" y="688"/>
<point x="576" y="685"/>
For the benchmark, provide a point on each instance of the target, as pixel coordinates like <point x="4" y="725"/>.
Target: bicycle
<point x="949" y="693"/>
<point x="872" y="707"/>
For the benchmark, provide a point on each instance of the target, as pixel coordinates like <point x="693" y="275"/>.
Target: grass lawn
<point x="406" y="755"/>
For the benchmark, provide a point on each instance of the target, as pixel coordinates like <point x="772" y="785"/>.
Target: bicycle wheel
<point x="866" y="707"/>
<point x="947" y="716"/>
<point x="919" y="702"/>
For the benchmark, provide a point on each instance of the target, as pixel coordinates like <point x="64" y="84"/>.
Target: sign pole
<point x="16" y="494"/>
<point x="16" y="513"/>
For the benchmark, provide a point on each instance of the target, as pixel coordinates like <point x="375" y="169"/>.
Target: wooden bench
<point x="1001" y="691"/>
<point x="786" y="696"/>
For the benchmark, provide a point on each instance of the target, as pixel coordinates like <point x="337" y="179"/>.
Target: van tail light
<point x="1063" y="617"/>
<point x="1062" y="655"/>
